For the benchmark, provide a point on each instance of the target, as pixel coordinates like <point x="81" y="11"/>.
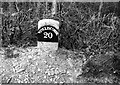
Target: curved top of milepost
<point x="51" y="22"/>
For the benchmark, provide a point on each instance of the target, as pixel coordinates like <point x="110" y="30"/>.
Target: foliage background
<point x="76" y="20"/>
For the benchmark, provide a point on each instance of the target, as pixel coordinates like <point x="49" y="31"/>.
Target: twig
<point x="9" y="80"/>
<point x="17" y="6"/>
<point x="100" y="8"/>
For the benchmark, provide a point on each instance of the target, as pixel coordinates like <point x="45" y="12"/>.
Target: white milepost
<point x="48" y="34"/>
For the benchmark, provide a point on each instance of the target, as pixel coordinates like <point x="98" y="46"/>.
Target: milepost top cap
<point x="51" y="22"/>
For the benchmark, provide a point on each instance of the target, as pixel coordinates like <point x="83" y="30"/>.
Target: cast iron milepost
<point x="48" y="31"/>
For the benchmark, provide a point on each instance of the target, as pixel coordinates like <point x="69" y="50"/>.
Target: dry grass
<point x="32" y="65"/>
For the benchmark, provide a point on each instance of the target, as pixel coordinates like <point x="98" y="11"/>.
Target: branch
<point x="100" y="8"/>
<point x="17" y="7"/>
<point x="54" y="8"/>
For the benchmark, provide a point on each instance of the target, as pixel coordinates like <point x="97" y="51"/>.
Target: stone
<point x="57" y="71"/>
<point x="48" y="34"/>
<point x="30" y="56"/>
